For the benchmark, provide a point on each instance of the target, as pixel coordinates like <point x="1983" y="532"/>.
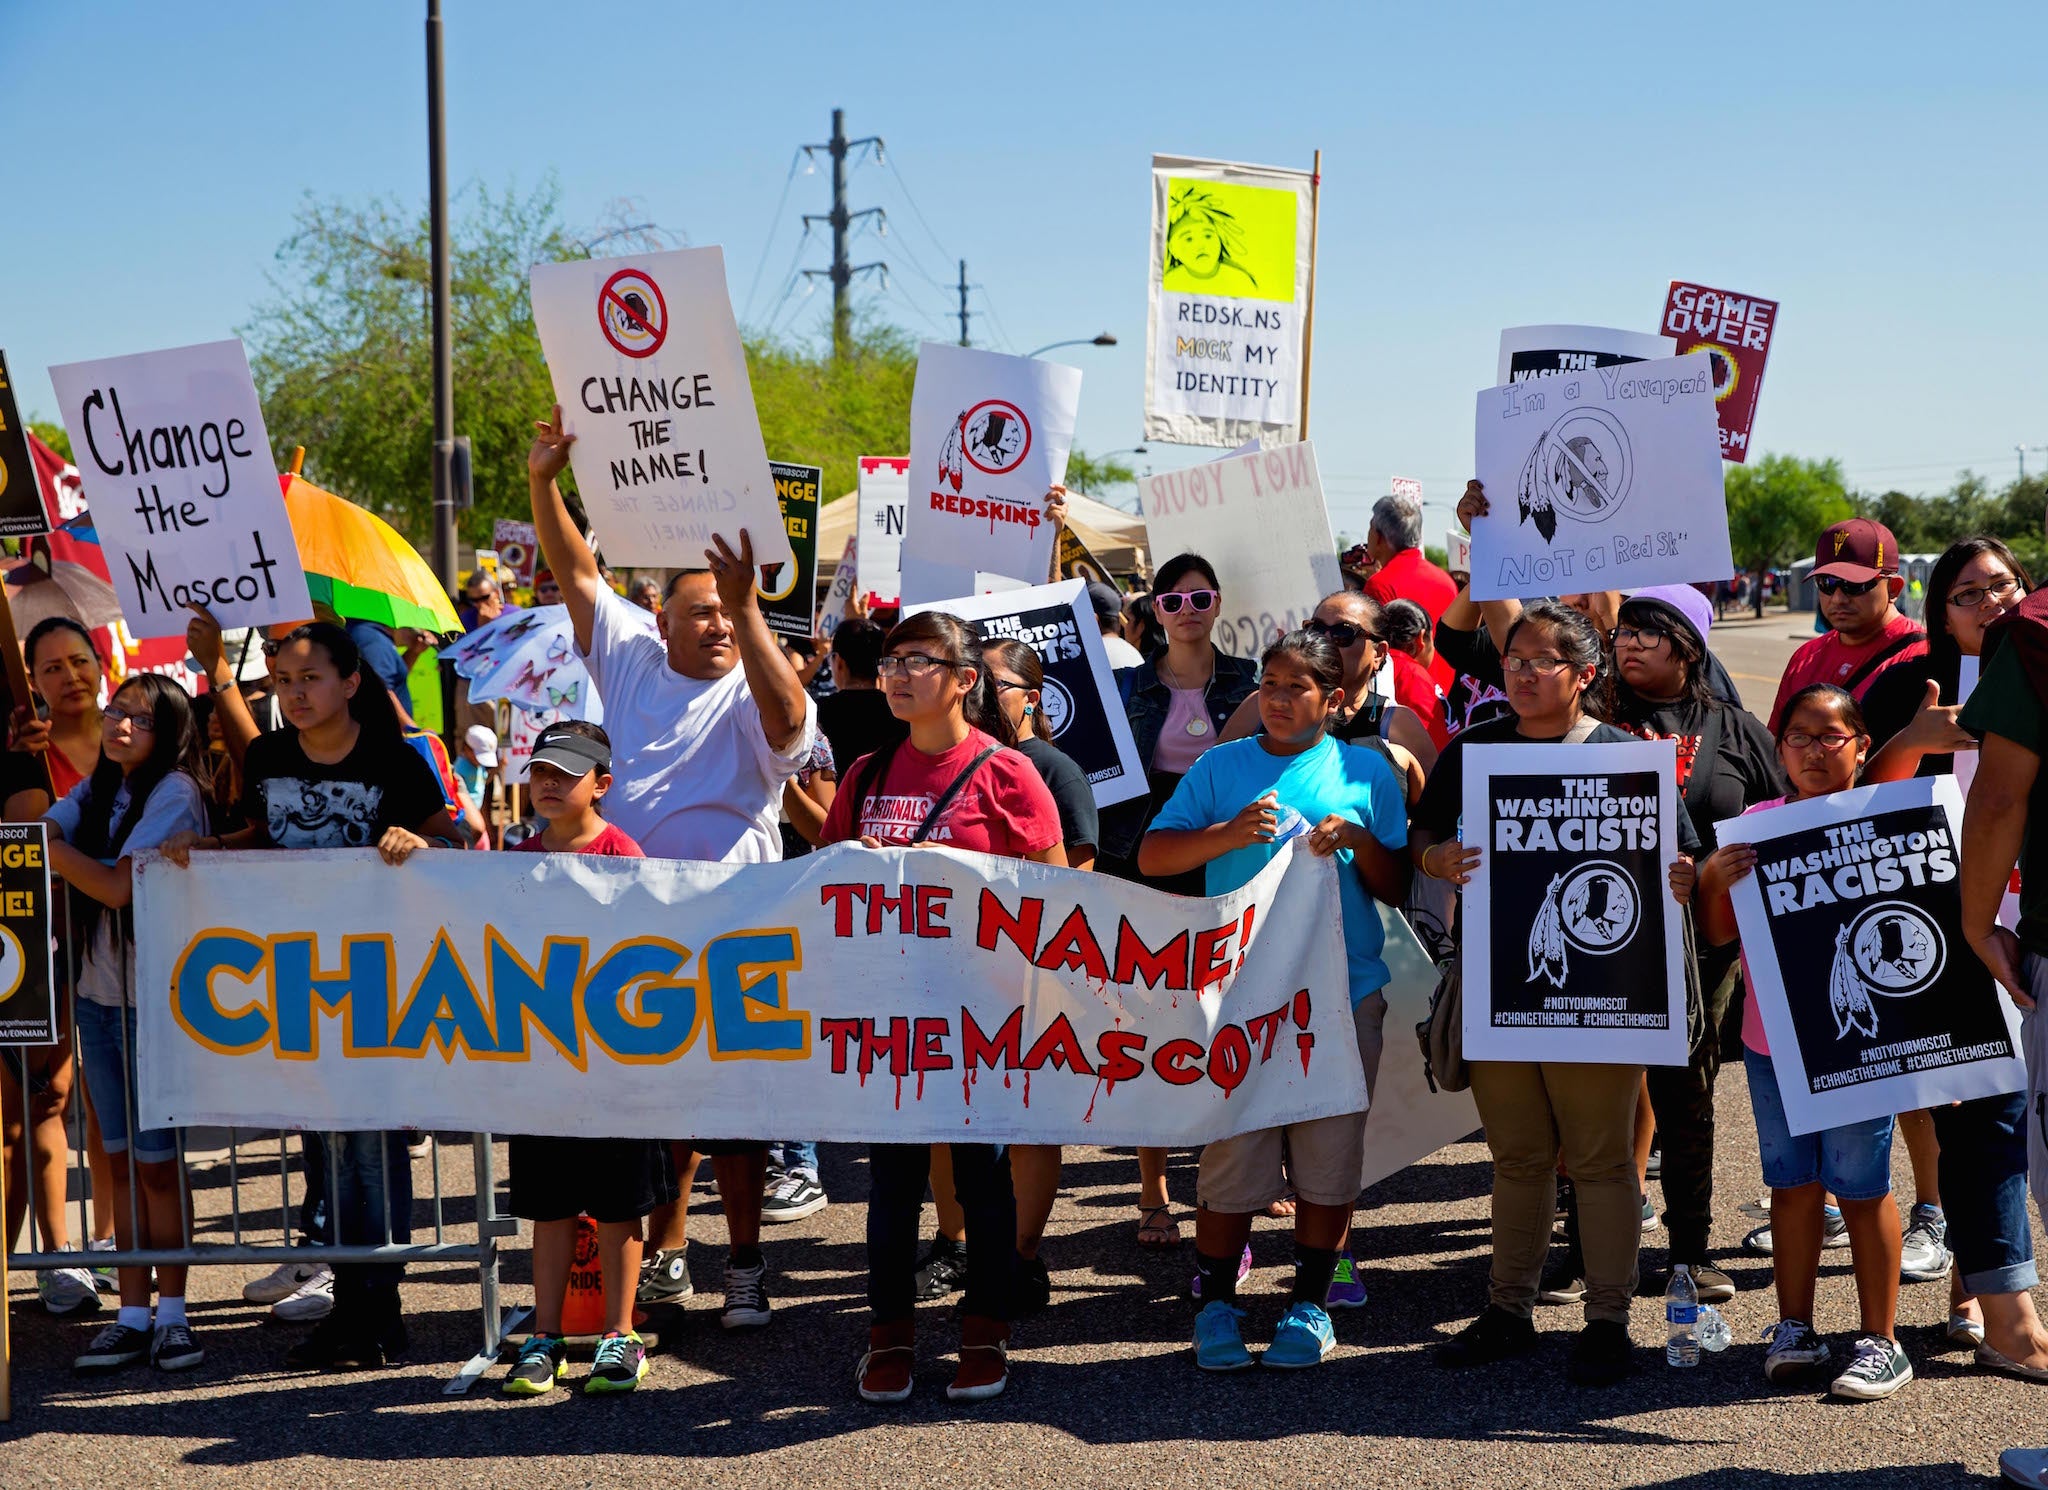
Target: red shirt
<point x="1826" y="659"/>
<point x="612" y="843"/>
<point x="1416" y="689"/>
<point x="1409" y="576"/>
<point x="1004" y="808"/>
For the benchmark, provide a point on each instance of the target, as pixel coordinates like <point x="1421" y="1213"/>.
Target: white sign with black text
<point x="884" y="494"/>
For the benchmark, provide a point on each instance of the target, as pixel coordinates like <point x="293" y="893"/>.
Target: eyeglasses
<point x="1343" y="633"/>
<point x="1004" y="685"/>
<point x="1169" y="602"/>
<point x="1976" y="595"/>
<point x="911" y="665"/>
<point x="1542" y="667"/>
<point x="142" y="724"/>
<point x="1799" y="739"/>
<point x="480" y="599"/>
<point x="1829" y="584"/>
<point x="1649" y="638"/>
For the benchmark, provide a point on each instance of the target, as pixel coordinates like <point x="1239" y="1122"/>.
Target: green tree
<point x="818" y="410"/>
<point x="1092" y="477"/>
<point x="52" y="435"/>
<point x="1777" y="507"/>
<point x="1929" y="524"/>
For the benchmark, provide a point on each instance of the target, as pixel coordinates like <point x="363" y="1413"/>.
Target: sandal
<point x="1284" y="1206"/>
<point x="1153" y="1231"/>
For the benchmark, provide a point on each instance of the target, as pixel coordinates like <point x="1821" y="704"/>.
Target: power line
<point x="774" y="225"/>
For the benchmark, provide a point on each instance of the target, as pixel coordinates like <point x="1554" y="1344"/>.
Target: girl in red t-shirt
<point x="950" y="783"/>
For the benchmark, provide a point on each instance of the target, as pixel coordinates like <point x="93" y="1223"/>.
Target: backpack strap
<point x="1580" y="732"/>
<point x="945" y="798"/>
<point x="1872" y="664"/>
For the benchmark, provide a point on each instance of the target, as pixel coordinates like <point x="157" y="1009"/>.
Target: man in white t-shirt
<point x="708" y="720"/>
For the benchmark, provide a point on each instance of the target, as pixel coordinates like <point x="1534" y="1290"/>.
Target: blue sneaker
<point x="1219" y="1342"/>
<point x="1303" y="1339"/>
<point x="1346" y="1292"/>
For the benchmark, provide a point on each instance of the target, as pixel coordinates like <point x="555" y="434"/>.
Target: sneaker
<point x="115" y="1345"/>
<point x="1346" y="1292"/>
<point x="796" y="1196"/>
<point x="1602" y="1355"/>
<point x="417" y="1144"/>
<point x="1654" y="1170"/>
<point x="1244" y="1271"/>
<point x="105" y="1280"/>
<point x="1304" y="1338"/>
<point x="884" y="1373"/>
<point x="542" y="1360"/>
<point x="1877" y="1368"/>
<point x="943" y="1271"/>
<point x="172" y="1348"/>
<point x="1650" y="1222"/>
<point x="621" y="1362"/>
<point x="1495" y="1335"/>
<point x="282" y="1282"/>
<point x="1715" y="1286"/>
<point x="665" y="1277"/>
<point x="1834" y="1230"/>
<point x="1792" y="1351"/>
<point x="311" y="1300"/>
<point x="984" y="1360"/>
<point x="1923" y="1254"/>
<point x="1758" y="1241"/>
<point x="1219" y="1338"/>
<point x="1564" y="1282"/>
<point x="1030" y="1287"/>
<point x="1962" y="1331"/>
<point x="67" y="1290"/>
<point x="746" y="1297"/>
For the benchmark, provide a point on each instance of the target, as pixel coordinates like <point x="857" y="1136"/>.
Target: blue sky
<point x="1876" y="169"/>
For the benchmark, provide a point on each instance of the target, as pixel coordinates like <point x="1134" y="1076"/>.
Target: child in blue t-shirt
<point x="1229" y="816"/>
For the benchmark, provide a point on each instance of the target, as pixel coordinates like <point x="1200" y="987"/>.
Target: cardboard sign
<point x="1080" y="700"/>
<point x="28" y="997"/>
<point x="1734" y="330"/>
<point x="1079" y="561"/>
<point x="1457" y="551"/>
<point x="21" y="500"/>
<point x="184" y="495"/>
<point x="787" y="593"/>
<point x="1260" y="519"/>
<point x="884" y="494"/>
<point x="1601" y="480"/>
<point x="1531" y="352"/>
<point x="649" y="371"/>
<point x="989" y="436"/>
<point x="1229" y="290"/>
<point x="1872" y="1001"/>
<point x="832" y="609"/>
<point x="1407" y="487"/>
<point x="517" y="545"/>
<point x="1573" y="948"/>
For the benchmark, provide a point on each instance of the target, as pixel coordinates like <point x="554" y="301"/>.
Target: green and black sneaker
<point x="542" y="1360"/>
<point x="621" y="1362"/>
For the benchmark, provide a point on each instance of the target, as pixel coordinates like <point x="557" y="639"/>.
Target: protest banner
<point x="1406" y="487"/>
<point x="1735" y="331"/>
<point x="788" y="593"/>
<point x="1260" y="519"/>
<point x="648" y="368"/>
<point x="1600" y="480"/>
<point x="517" y="544"/>
<point x="884" y="494"/>
<point x="28" y="993"/>
<point x="1872" y="1000"/>
<point x="900" y="995"/>
<point x="184" y="495"/>
<point x="1410" y="1120"/>
<point x="832" y="609"/>
<point x="1080" y="699"/>
<point x="1531" y="352"/>
<point x="989" y="436"/>
<point x="1079" y="561"/>
<point x="1231" y="284"/>
<point x="1457" y="551"/>
<point x="1573" y="950"/>
<point x="21" y="497"/>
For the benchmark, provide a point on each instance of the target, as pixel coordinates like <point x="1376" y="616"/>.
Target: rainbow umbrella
<point x="357" y="564"/>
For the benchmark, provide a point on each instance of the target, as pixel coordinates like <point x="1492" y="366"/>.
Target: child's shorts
<point x="607" y="1179"/>
<point x="1854" y="1161"/>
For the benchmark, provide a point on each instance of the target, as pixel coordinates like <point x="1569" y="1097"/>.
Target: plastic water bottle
<point x="1714" y="1332"/>
<point x="1681" y="1319"/>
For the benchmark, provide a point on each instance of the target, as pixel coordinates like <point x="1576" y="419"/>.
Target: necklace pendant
<point x="1198" y="726"/>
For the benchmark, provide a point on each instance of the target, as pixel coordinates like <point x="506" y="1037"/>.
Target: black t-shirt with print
<point x="303" y="803"/>
<point x="1071" y="793"/>
<point x="1744" y="769"/>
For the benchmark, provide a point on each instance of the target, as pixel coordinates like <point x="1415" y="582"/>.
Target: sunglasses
<point x="1170" y="602"/>
<point x="1343" y="633"/>
<point x="1829" y="584"/>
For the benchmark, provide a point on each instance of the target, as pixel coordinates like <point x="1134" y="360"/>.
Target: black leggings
<point x="897" y="1175"/>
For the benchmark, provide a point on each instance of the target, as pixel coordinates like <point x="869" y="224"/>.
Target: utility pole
<point x="842" y="272"/>
<point x="444" y="374"/>
<point x="963" y="303"/>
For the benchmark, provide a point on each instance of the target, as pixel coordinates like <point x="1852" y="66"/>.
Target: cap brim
<point x="568" y="762"/>
<point x="1854" y="573"/>
<point x="488" y="760"/>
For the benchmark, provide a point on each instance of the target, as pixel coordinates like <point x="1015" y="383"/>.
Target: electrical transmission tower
<point x="842" y="272"/>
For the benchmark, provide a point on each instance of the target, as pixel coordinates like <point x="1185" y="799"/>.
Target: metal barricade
<point x="267" y="1231"/>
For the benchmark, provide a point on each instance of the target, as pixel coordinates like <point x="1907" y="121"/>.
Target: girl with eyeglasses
<point x="951" y="782"/>
<point x="1822" y="745"/>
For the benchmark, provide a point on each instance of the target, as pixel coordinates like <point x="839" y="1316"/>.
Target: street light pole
<point x="1102" y="340"/>
<point x="444" y="373"/>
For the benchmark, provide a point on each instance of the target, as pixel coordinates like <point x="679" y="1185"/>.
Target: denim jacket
<point x="1146" y="701"/>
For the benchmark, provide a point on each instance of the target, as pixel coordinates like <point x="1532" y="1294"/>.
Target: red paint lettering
<point x="895" y="1045"/>
<point x="927" y="1037"/>
<point x="1135" y="960"/>
<point x="996" y="922"/>
<point x="1212" y="955"/>
<point x="841" y="899"/>
<point x="1230" y="1059"/>
<point x="1170" y="1062"/>
<point x="1074" y="945"/>
<point x="1115" y="1047"/>
<point x="880" y="904"/>
<point x="931" y="911"/>
<point x="1061" y="1046"/>
<point x="978" y="1049"/>
<point x="838" y="1032"/>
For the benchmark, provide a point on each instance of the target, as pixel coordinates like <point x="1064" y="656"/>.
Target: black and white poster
<point x="789" y="591"/>
<point x="1573" y="949"/>
<point x="28" y="1004"/>
<point x="1852" y="923"/>
<point x="21" y="498"/>
<point x="1080" y="698"/>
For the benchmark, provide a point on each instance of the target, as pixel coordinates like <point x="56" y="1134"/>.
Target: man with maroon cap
<point x="1856" y="570"/>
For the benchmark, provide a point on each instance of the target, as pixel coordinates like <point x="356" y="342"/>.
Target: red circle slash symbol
<point x="632" y="314"/>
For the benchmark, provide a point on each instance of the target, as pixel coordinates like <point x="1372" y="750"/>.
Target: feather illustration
<point x="1847" y="996"/>
<point x="1546" y="938"/>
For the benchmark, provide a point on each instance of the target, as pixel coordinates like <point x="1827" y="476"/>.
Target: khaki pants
<point x="1533" y="1110"/>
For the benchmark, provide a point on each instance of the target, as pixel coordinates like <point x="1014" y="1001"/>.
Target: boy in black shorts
<point x="616" y="1181"/>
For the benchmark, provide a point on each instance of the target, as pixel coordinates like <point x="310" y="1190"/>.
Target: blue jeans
<point x="369" y="1186"/>
<point x="1853" y="1160"/>
<point x="1984" y="1191"/>
<point x="792" y="1157"/>
<point x="106" y="1048"/>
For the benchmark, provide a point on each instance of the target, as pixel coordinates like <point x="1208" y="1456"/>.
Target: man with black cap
<point x="1109" y="616"/>
<point x="1856" y="570"/>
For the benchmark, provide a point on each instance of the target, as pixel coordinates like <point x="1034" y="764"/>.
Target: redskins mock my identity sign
<point x="1852" y="923"/>
<point x="1573" y="949"/>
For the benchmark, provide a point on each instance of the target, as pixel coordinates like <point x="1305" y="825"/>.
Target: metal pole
<point x="444" y="374"/>
<point x="842" y="271"/>
<point x="1308" y="319"/>
<point x="963" y="302"/>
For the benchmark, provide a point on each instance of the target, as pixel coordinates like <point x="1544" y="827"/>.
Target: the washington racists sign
<point x="1572" y="948"/>
<point x="1852" y="922"/>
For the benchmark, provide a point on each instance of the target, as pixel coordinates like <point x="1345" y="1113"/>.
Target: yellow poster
<point x="1223" y="238"/>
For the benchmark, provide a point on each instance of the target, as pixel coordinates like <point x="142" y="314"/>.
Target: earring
<point x="1029" y="710"/>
